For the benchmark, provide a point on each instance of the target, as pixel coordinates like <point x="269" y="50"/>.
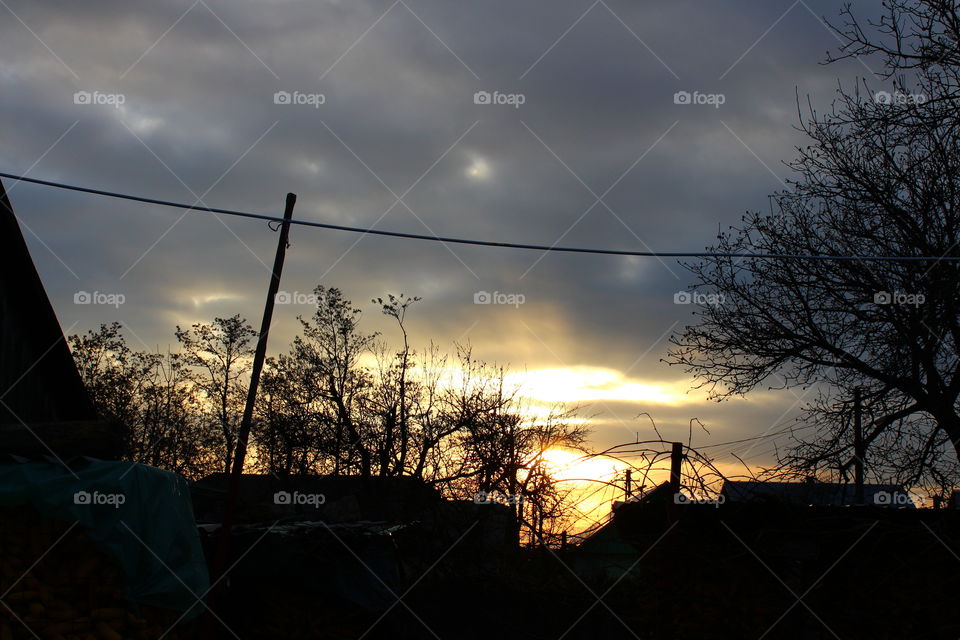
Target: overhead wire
<point x="473" y="241"/>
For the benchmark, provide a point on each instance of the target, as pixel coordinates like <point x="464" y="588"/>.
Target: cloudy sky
<point x="539" y="122"/>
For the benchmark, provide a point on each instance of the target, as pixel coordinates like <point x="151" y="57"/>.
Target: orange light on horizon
<point x="588" y="480"/>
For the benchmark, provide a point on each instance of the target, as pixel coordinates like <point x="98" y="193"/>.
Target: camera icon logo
<point x="82" y="297"/>
<point x="882" y="297"/>
<point x="81" y="497"/>
<point x="482" y="97"/>
<point x="282" y="497"/>
<point x="682" y="97"/>
<point x="682" y="297"/>
<point x="283" y="297"/>
<point x="82" y="97"/>
<point x="883" y="97"/>
<point x="281" y="97"/>
<point x="482" y="297"/>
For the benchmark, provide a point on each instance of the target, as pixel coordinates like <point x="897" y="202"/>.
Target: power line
<point x="479" y="243"/>
<point x="760" y="437"/>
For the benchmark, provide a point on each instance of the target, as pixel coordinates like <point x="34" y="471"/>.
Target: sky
<point x="615" y="124"/>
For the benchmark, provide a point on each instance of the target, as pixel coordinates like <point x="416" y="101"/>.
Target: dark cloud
<point x="398" y="118"/>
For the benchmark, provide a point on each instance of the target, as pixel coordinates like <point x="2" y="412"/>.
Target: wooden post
<point x="629" y="490"/>
<point x="858" y="452"/>
<point x="676" y="461"/>
<point x="243" y="436"/>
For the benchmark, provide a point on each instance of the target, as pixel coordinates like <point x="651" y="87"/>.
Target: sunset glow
<point x="565" y="464"/>
<point x="584" y="384"/>
<point x="585" y="478"/>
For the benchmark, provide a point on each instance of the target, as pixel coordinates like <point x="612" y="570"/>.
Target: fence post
<point x="676" y="463"/>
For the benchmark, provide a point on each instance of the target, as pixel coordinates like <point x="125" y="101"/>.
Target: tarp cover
<point x="150" y="531"/>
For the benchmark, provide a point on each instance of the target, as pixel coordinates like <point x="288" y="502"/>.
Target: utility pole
<point x="629" y="490"/>
<point x="243" y="436"/>
<point x="858" y="452"/>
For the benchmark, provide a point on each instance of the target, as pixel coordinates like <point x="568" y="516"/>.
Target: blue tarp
<point x="140" y="515"/>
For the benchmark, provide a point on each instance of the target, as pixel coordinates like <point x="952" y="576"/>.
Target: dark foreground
<point x="710" y="573"/>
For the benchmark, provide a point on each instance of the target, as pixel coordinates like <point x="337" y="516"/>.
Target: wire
<point x="760" y="437"/>
<point x="479" y="243"/>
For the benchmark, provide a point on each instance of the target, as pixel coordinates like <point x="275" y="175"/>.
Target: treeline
<point x="339" y="401"/>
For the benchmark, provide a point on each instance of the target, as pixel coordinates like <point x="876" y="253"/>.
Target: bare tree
<point x="395" y="410"/>
<point x="917" y="37"/>
<point x="219" y="354"/>
<point x="294" y="431"/>
<point x="330" y="348"/>
<point x="149" y="395"/>
<point x="113" y="374"/>
<point x="879" y="178"/>
<point x="499" y="445"/>
<point x="168" y="434"/>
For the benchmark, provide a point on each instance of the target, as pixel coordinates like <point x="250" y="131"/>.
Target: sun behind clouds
<point x="591" y="384"/>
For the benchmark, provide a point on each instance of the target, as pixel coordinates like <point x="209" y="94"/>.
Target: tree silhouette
<point x="879" y="177"/>
<point x="219" y="355"/>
